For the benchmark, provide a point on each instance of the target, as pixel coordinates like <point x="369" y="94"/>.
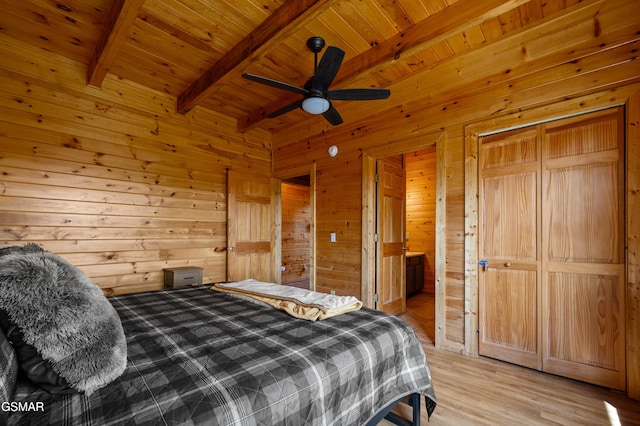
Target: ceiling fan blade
<point x="332" y="116"/>
<point x="285" y="109"/>
<point x="367" y="94"/>
<point x="328" y="68"/>
<point x="275" y="83"/>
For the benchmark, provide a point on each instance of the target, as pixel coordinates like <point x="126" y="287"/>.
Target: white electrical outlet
<point x="332" y="237"/>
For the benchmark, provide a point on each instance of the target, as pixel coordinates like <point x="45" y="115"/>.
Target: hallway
<point x="421" y="316"/>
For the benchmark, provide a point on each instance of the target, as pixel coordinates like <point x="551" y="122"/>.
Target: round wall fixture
<point x="333" y="151"/>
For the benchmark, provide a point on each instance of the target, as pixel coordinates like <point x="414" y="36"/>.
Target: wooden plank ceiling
<point x="197" y="50"/>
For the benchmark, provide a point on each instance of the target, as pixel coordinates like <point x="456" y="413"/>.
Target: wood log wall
<point x="296" y="233"/>
<point x="421" y="210"/>
<point x="339" y="210"/>
<point x="113" y="180"/>
<point x="557" y="68"/>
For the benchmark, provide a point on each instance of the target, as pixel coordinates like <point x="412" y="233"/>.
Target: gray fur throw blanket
<point x="55" y="309"/>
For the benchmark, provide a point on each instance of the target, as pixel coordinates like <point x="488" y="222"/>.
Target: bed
<point x="199" y="357"/>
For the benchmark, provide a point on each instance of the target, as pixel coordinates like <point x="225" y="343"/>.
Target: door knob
<point x="507" y="264"/>
<point x="484" y="263"/>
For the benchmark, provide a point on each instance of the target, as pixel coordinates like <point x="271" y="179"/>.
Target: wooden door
<point x="251" y="227"/>
<point x="552" y="295"/>
<point x="583" y="251"/>
<point x="509" y="220"/>
<point x="391" y="269"/>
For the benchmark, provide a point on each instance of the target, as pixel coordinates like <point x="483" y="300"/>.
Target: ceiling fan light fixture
<point x="315" y="105"/>
<point x="317" y="96"/>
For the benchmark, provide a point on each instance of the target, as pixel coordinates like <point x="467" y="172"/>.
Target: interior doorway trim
<point x="307" y="169"/>
<point x="368" y="273"/>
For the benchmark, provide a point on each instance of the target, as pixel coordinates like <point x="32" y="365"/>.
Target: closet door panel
<point x="582" y="334"/>
<point x="583" y="261"/>
<point x="583" y="217"/>
<point x="509" y="314"/>
<point x="509" y="248"/>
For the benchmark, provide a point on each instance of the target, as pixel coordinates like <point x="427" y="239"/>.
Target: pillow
<point x="8" y="369"/>
<point x="66" y="334"/>
<point x="8" y="374"/>
<point x="36" y="368"/>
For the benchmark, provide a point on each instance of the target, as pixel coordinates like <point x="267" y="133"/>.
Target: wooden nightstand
<point x="185" y="276"/>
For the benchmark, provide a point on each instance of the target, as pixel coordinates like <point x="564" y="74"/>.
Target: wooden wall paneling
<point x="441" y="243"/>
<point x="113" y="180"/>
<point x="88" y="138"/>
<point x="632" y="180"/>
<point x="296" y="233"/>
<point x="471" y="193"/>
<point x="338" y="263"/>
<point x="454" y="296"/>
<point x="368" y="259"/>
<point x="122" y="99"/>
<point x="149" y="150"/>
<point x="518" y="94"/>
<point x="146" y="134"/>
<point x="421" y="209"/>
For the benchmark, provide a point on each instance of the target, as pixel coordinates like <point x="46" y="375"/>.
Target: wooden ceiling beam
<point x="425" y="34"/>
<point x="283" y="22"/>
<point x="123" y="14"/>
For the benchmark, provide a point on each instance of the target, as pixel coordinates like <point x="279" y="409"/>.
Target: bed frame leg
<point x="414" y="401"/>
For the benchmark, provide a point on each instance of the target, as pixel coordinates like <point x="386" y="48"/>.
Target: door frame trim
<point x="625" y="96"/>
<point x="368" y="272"/>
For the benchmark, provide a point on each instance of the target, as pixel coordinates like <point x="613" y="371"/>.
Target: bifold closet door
<point x="509" y="250"/>
<point x="551" y="279"/>
<point x="583" y="296"/>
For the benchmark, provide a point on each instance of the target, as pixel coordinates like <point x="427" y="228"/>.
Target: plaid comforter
<point x="198" y="357"/>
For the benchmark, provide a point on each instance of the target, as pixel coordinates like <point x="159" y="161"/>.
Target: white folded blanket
<point x="300" y="303"/>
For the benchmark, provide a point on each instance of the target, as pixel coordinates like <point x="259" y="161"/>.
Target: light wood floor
<point x="483" y="391"/>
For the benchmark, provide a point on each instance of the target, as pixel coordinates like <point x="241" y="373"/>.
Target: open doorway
<point x="297" y="228"/>
<point x="429" y="312"/>
<point x="420" y="240"/>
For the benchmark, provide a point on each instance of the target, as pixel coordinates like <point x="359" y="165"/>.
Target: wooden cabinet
<point x="415" y="273"/>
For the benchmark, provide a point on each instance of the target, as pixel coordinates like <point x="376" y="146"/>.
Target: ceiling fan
<point x="317" y="98"/>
